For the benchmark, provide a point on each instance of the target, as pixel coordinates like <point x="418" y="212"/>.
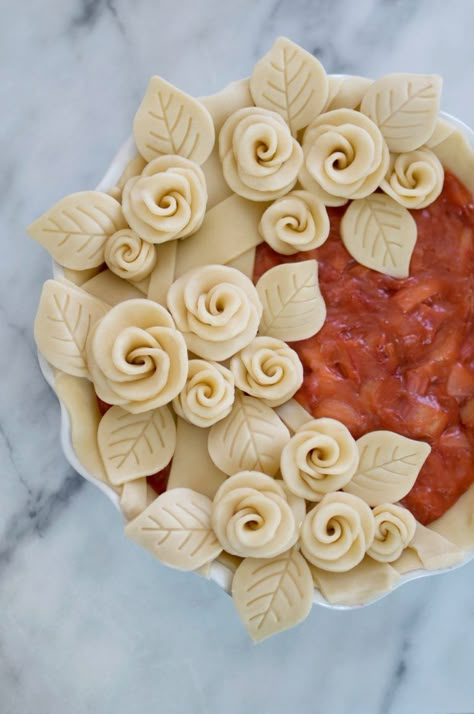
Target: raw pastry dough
<point x="346" y="92"/>
<point x="135" y="497"/>
<point x="414" y="179"/>
<point x="359" y="586"/>
<point x="290" y="81"/>
<point x="433" y="551"/>
<point x="244" y="263"/>
<point x="176" y="529"/>
<point x="63" y="322"/>
<point x="405" y="107"/>
<point x="251" y="516"/>
<point x="268" y="369"/>
<point x="394" y="531"/>
<point x="207" y="396"/>
<point x="293" y="415"/>
<point x="320" y="458"/>
<point x="457" y="524"/>
<point x="260" y="158"/>
<point x="79" y="277"/>
<point x="111" y="289"/>
<point x="388" y="466"/>
<point x="134" y="168"/>
<point x="457" y="155"/>
<point x="136" y="357"/>
<point x="217" y="309"/>
<point x="168" y="199"/>
<point x="251" y="437"/>
<point x="136" y="445"/>
<point x="297" y="222"/>
<point x="337" y="532"/>
<point x="345" y="156"/>
<point x="168" y="121"/>
<point x="163" y="273"/>
<point x="128" y="256"/>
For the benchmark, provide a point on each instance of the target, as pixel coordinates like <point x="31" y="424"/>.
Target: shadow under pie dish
<point x="260" y="334"/>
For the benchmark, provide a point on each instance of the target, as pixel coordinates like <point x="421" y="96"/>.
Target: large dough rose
<point x="208" y="394"/>
<point x="345" y="157"/>
<point x="251" y="516"/>
<point x="128" y="256"/>
<point x="168" y="200"/>
<point x="297" y="222"/>
<point x="414" y="179"/>
<point x="136" y="357"/>
<point x="260" y="158"/>
<point x="268" y="369"/>
<point x="217" y="309"/>
<point x="321" y="457"/>
<point x="337" y="532"/>
<point x="394" y="530"/>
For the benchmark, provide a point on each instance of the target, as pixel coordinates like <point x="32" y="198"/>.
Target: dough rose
<point x="217" y="309"/>
<point x="321" y="457"/>
<point x="268" y="369"/>
<point x="394" y="530"/>
<point x="337" y="532"/>
<point x="345" y="156"/>
<point x="260" y="158"/>
<point x="208" y="394"/>
<point x="251" y="516"/>
<point x="297" y="222"/>
<point x="136" y="357"/>
<point x="128" y="256"/>
<point x="168" y="199"/>
<point x="414" y="179"/>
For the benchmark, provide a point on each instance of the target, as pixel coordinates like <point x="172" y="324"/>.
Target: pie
<point x="261" y="327"/>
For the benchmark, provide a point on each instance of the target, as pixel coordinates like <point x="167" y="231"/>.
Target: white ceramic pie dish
<point x="219" y="573"/>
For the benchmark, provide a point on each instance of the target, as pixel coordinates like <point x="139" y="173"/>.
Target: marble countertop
<point x="89" y="622"/>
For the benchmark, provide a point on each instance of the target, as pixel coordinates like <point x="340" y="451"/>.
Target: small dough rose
<point x="128" y="256"/>
<point x="321" y="457"/>
<point x="337" y="532"/>
<point x="208" y="394"/>
<point x="260" y="158"/>
<point x="136" y="357"/>
<point x="297" y="222"/>
<point x="217" y="309"/>
<point x="251" y="516"/>
<point x="268" y="369"/>
<point x="345" y="156"/>
<point x="394" y="530"/>
<point x="414" y="179"/>
<point x="168" y="199"/>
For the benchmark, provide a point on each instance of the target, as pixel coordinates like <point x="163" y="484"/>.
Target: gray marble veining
<point x="89" y="622"/>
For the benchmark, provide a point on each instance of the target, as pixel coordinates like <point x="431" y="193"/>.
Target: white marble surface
<point x="89" y="623"/>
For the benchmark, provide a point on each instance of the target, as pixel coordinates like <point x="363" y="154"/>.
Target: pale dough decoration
<point x="380" y="234"/>
<point x="167" y="201"/>
<point x="414" y="179"/>
<point x="79" y="398"/>
<point x="76" y="228"/>
<point x="260" y="158"/>
<point x="168" y="121"/>
<point x="394" y="531"/>
<point x="297" y="222"/>
<point x="457" y="524"/>
<point x="337" y="532"/>
<point x="443" y="129"/>
<point x="79" y="277"/>
<point x="176" y="529"/>
<point x="293" y="307"/>
<point x="192" y="466"/>
<point x="268" y="369"/>
<point x="111" y="289"/>
<point x="136" y="445"/>
<point x="128" y="256"/>
<point x="163" y="273"/>
<point x="388" y="467"/>
<point x="229" y="229"/>
<point x="273" y="594"/>
<point x="251" y="516"/>
<point x="250" y="438"/>
<point x="136" y="357"/>
<point x="290" y="81"/>
<point x="245" y="262"/>
<point x="217" y="309"/>
<point x="207" y="396"/>
<point x="320" y="458"/>
<point x="359" y="586"/>
<point x="63" y="323"/>
<point x="345" y="157"/>
<point x="134" y="168"/>
<point x="429" y="550"/>
<point x="135" y="497"/>
<point x="405" y="107"/>
<point x="346" y="92"/>
<point x="457" y="155"/>
<point x="293" y="415"/>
